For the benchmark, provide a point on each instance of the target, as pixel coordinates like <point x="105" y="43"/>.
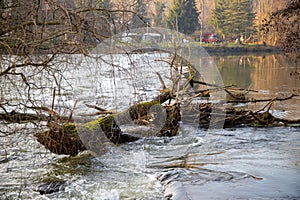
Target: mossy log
<point x="61" y="140"/>
<point x="65" y="139"/>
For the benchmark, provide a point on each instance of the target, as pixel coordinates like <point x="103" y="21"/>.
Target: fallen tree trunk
<point x="64" y="139"/>
<point x="16" y="117"/>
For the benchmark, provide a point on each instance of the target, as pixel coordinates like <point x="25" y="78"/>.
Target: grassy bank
<point x="212" y="49"/>
<point x="241" y="49"/>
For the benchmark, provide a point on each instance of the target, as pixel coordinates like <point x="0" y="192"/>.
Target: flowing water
<point x="237" y="163"/>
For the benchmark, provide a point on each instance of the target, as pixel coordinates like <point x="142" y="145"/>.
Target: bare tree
<point x="285" y="23"/>
<point x="33" y="37"/>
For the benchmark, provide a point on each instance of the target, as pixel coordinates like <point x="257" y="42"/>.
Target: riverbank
<point x="202" y="49"/>
<point x="240" y="49"/>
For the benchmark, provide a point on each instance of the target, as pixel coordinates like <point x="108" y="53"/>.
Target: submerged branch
<point x="262" y="100"/>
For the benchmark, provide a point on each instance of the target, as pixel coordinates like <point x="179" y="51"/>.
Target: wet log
<point x="64" y="139"/>
<point x="61" y="140"/>
<point x="16" y="117"/>
<point x="240" y="98"/>
<point x="241" y="117"/>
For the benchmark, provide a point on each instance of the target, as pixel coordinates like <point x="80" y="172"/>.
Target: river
<point x="236" y="163"/>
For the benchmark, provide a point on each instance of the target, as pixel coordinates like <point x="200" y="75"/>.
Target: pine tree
<point x="139" y="18"/>
<point x="183" y="15"/>
<point x="159" y="18"/>
<point x="218" y="16"/>
<point x="234" y="18"/>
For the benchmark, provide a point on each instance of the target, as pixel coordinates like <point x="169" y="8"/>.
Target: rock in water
<point x="51" y="187"/>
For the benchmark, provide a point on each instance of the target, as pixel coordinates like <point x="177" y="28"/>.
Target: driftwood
<point x="242" y="118"/>
<point x="16" y="117"/>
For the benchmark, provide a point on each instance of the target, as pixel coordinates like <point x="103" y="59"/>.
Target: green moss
<point x="148" y="104"/>
<point x="92" y="124"/>
<point x="69" y="128"/>
<point x="107" y="122"/>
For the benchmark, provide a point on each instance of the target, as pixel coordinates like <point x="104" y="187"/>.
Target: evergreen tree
<point x="159" y="17"/>
<point x="139" y="18"/>
<point x="218" y="16"/>
<point x="234" y="18"/>
<point x="183" y="15"/>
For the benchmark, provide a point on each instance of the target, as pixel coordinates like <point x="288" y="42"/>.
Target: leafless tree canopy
<point x="285" y="23"/>
<point x="33" y="37"/>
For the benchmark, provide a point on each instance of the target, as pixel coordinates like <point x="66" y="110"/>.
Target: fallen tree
<point x="64" y="139"/>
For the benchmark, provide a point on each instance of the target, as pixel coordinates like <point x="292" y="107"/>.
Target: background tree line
<point x="234" y="18"/>
<point x="243" y="17"/>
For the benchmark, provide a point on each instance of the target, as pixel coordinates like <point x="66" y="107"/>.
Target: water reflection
<point x="235" y="70"/>
<point x="268" y="74"/>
